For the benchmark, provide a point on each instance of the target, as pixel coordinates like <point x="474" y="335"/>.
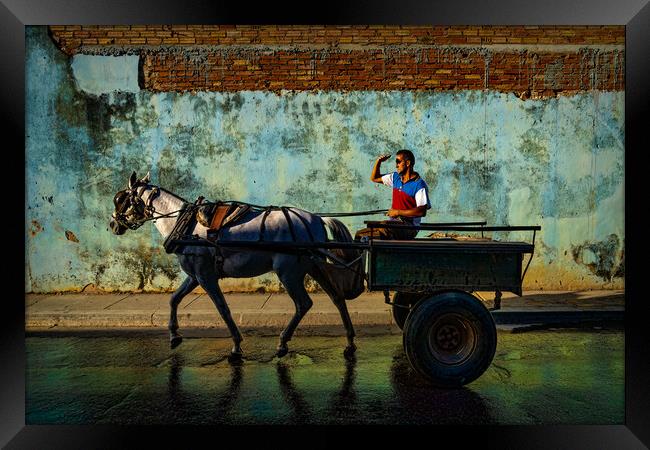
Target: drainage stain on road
<point x="540" y="377"/>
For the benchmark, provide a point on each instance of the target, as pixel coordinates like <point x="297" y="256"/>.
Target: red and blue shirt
<point x="407" y="195"/>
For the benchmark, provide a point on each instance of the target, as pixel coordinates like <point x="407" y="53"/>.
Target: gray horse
<point x="204" y="265"/>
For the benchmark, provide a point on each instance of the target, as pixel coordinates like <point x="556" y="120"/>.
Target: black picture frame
<point x="16" y="14"/>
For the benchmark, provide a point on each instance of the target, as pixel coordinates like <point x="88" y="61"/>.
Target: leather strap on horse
<point x="304" y="222"/>
<point x="221" y="212"/>
<point x="155" y="192"/>
<point x="216" y="216"/>
<point x="223" y="216"/>
<point x="285" y="211"/>
<point x="289" y="223"/>
<point x="263" y="224"/>
<point x="186" y="220"/>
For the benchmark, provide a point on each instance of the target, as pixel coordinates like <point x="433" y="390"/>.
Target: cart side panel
<point x="418" y="270"/>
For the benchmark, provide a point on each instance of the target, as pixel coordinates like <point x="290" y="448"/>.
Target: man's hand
<point x="376" y="175"/>
<point x="419" y="211"/>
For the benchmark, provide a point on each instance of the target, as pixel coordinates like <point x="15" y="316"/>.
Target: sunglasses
<point x="399" y="161"/>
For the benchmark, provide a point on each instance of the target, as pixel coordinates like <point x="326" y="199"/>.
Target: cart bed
<point x="446" y="263"/>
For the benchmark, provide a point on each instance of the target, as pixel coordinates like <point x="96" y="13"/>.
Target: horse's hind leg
<point x="339" y="302"/>
<point x="293" y="281"/>
<point x="185" y="288"/>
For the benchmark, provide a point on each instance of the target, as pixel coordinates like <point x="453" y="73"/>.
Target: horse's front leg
<point x="209" y="283"/>
<point x="185" y="288"/>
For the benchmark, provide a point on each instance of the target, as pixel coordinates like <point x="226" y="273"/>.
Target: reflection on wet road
<point x="541" y="377"/>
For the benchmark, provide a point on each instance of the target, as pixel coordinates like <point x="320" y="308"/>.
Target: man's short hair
<point x="408" y="154"/>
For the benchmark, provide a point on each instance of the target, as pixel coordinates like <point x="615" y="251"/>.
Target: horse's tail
<point x="340" y="233"/>
<point x="347" y="281"/>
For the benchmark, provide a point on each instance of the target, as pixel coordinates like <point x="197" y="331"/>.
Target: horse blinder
<point x="127" y="204"/>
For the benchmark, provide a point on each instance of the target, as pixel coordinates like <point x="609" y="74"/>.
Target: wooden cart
<point x="449" y="335"/>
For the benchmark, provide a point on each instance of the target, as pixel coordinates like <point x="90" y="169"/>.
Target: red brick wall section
<point x="531" y="61"/>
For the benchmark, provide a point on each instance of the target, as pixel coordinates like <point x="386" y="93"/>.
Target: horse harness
<point x="215" y="216"/>
<point x="131" y="201"/>
<point x="220" y="215"/>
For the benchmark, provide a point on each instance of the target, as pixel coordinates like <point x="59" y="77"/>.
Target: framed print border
<point x="635" y="14"/>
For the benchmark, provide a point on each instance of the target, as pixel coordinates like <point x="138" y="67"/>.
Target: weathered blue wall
<point x="557" y="162"/>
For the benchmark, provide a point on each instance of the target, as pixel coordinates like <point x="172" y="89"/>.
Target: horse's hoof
<point x="175" y="341"/>
<point x="349" y="351"/>
<point x="235" y="357"/>
<point x="282" y="351"/>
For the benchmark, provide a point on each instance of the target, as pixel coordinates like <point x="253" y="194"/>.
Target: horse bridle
<point x="129" y="202"/>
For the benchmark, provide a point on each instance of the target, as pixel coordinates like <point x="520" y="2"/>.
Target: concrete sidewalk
<point x="273" y="311"/>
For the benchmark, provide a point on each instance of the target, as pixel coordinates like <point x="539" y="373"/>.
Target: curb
<point x="254" y="312"/>
<point x="318" y="323"/>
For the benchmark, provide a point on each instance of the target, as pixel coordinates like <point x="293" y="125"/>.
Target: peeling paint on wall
<point x="99" y="74"/>
<point x="35" y="228"/>
<point x="556" y="162"/>
<point x="604" y="258"/>
<point x="69" y="235"/>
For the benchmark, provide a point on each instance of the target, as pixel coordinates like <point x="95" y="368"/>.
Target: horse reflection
<point x="301" y="412"/>
<point x="341" y="407"/>
<point x="228" y="398"/>
<point x="419" y="402"/>
<point x="173" y="381"/>
<point x="343" y="404"/>
<point x="182" y="406"/>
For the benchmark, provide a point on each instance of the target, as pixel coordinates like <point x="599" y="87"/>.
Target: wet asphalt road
<point x="537" y="377"/>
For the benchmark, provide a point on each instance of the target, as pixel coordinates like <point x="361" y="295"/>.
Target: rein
<point x="185" y="215"/>
<point x="134" y="200"/>
<point x="161" y="216"/>
<point x="322" y="214"/>
<point x="357" y="213"/>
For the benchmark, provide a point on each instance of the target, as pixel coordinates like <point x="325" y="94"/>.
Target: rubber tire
<point x="457" y="307"/>
<point x="405" y="299"/>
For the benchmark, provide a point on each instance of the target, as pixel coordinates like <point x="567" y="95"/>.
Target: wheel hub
<point x="452" y="338"/>
<point x="448" y="337"/>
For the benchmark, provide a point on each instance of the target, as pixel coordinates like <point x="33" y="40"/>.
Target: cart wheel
<point x="405" y="300"/>
<point x="450" y="338"/>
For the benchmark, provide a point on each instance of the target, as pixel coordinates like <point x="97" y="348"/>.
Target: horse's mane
<point x="162" y="189"/>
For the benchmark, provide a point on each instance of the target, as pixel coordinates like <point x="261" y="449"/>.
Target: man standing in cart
<point x="410" y="197"/>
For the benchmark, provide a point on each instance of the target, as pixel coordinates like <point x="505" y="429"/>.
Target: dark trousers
<point x="386" y="233"/>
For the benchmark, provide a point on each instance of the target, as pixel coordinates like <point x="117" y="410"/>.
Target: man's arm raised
<point x="376" y="175"/>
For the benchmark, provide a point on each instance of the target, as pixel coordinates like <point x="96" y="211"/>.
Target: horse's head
<point x="130" y="209"/>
